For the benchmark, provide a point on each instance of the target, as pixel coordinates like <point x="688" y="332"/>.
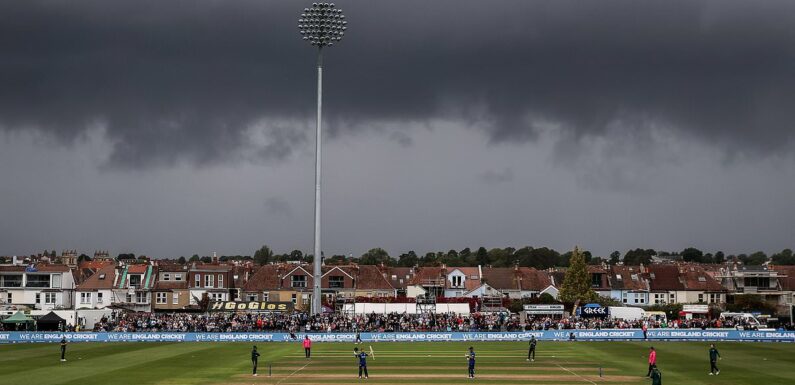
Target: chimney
<point x="215" y="257"/>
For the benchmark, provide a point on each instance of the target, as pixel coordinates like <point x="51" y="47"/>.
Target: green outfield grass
<point x="395" y="363"/>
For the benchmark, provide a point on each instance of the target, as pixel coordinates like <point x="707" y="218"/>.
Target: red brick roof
<point x="265" y="278"/>
<point x="94" y="282"/>
<point x="370" y="277"/>
<point x="627" y="282"/>
<point x="401" y="273"/>
<point x="665" y="278"/>
<point x="137" y="268"/>
<point x="428" y="274"/>
<point x="788" y="282"/>
<point x="696" y="278"/>
<point x="501" y="278"/>
<point x="533" y="279"/>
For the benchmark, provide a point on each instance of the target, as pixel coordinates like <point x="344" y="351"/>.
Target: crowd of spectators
<point x="301" y="322"/>
<point x="391" y="322"/>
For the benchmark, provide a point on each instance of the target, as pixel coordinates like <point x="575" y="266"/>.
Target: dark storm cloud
<point x="492" y="177"/>
<point x="187" y="80"/>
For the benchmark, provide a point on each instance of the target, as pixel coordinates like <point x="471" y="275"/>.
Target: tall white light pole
<point x="321" y="25"/>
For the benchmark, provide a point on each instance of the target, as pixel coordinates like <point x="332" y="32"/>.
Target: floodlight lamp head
<point x="321" y="25"/>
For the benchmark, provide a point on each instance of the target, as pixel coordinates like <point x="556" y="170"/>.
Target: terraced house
<point x="132" y="287"/>
<point x="41" y="286"/>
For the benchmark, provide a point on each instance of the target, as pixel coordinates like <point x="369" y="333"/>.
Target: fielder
<point x="254" y="358"/>
<point x="532" y="351"/>
<point x="713" y="359"/>
<point x="63" y="349"/>
<point x="471" y="360"/>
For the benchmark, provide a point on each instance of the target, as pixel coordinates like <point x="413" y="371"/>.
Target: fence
<point x="546" y="335"/>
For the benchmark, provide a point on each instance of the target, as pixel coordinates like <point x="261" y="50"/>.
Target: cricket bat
<point x="372" y="353"/>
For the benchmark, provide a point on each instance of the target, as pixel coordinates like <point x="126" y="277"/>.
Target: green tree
<point x="615" y="257"/>
<point x="263" y="255"/>
<point x="182" y="260"/>
<point x="206" y="259"/>
<point x="577" y="282"/>
<point x="83" y="257"/>
<point x="482" y="257"/>
<point x="409" y="259"/>
<point x="194" y="258"/>
<point x="754" y="259"/>
<point x="296" y="255"/>
<point x="452" y="258"/>
<point x="719" y="257"/>
<point x="638" y="256"/>
<point x="540" y="258"/>
<point x="376" y="256"/>
<point x="785" y="257"/>
<point x="691" y="254"/>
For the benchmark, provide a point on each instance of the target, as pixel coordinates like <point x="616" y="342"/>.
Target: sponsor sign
<point x="699" y="309"/>
<point x="543" y="309"/>
<point x="250" y="306"/>
<point x="593" y="312"/>
<point x="548" y="335"/>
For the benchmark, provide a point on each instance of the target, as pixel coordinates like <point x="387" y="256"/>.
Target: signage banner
<point x="695" y="309"/>
<point x="250" y="306"/>
<point x="592" y="312"/>
<point x="548" y="335"/>
<point x="543" y="309"/>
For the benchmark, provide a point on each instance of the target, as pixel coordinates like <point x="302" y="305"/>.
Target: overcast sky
<point x="181" y="127"/>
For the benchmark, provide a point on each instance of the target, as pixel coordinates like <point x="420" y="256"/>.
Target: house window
<point x="9" y="298"/>
<point x="305" y="298"/>
<point x="251" y="297"/>
<point x="673" y="298"/>
<point x="642" y="300"/>
<point x="56" y="281"/>
<point x="49" y="298"/>
<point x="700" y="298"/>
<point x="336" y="282"/>
<point x="217" y="296"/>
<point x="298" y="281"/>
<point x="178" y="277"/>
<point x="175" y="298"/>
<point x="457" y="280"/>
<point x="208" y="280"/>
<point x="38" y="297"/>
<point x="637" y="300"/>
<point x="266" y="296"/>
<point x="38" y="280"/>
<point x="220" y="280"/>
<point x="160" y="298"/>
<point x="596" y="280"/>
<point x="702" y="278"/>
<point x="99" y="297"/>
<point x="714" y="298"/>
<point x="135" y="280"/>
<point x="141" y="297"/>
<point x="85" y="298"/>
<point x="11" y="280"/>
<point x="295" y="299"/>
<point x="198" y="280"/>
<point x="166" y="276"/>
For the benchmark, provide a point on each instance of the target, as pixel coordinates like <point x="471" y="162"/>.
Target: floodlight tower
<point x="321" y="25"/>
